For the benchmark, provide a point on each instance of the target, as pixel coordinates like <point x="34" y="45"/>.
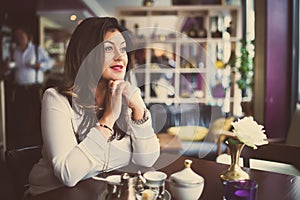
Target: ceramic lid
<point x="186" y="176"/>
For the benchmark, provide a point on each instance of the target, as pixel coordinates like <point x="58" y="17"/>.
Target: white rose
<point x="249" y="132"/>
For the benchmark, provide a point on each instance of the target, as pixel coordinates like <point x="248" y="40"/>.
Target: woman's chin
<point x="117" y="78"/>
<point x="113" y="78"/>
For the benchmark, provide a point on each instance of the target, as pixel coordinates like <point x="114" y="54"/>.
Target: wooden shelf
<point x="193" y="58"/>
<point x="176" y="10"/>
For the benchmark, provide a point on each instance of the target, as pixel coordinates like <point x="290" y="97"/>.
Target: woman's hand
<point x="134" y="100"/>
<point x="113" y="102"/>
<point x="117" y="90"/>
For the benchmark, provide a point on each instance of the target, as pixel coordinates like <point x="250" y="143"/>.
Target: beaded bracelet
<point x="105" y="126"/>
<point x="111" y="137"/>
<point x="143" y="120"/>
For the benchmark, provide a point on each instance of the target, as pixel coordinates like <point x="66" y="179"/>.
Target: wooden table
<point x="270" y="185"/>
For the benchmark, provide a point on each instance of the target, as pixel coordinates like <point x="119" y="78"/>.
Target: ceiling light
<point x="73" y="17"/>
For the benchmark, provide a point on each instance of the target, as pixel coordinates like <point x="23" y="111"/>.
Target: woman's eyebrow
<point x="110" y="42"/>
<point x="107" y="41"/>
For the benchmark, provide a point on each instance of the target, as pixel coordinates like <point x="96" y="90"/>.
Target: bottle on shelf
<point x="193" y="31"/>
<point x="202" y="33"/>
<point x="215" y="32"/>
<point x="123" y="23"/>
<point x="136" y="32"/>
<point x="148" y="3"/>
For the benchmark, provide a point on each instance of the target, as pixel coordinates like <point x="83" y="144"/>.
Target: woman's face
<point x="115" y="56"/>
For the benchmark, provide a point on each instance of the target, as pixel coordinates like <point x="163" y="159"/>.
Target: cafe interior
<point x="202" y="66"/>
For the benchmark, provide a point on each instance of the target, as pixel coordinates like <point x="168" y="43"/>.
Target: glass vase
<point x="235" y="172"/>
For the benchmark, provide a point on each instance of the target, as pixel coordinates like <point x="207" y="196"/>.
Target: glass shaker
<point x="128" y="188"/>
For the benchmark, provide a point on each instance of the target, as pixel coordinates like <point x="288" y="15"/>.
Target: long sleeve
<point x="59" y="140"/>
<point x="45" y="60"/>
<point x="73" y="161"/>
<point x="145" y="144"/>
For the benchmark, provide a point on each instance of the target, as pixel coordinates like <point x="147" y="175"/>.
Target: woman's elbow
<point x="66" y="180"/>
<point x="146" y="160"/>
<point x="70" y="183"/>
<point x="65" y="177"/>
<point x="150" y="163"/>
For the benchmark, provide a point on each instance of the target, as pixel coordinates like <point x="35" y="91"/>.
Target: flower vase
<point x="235" y="172"/>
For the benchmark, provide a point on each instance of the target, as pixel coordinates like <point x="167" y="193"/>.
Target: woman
<point x="96" y="121"/>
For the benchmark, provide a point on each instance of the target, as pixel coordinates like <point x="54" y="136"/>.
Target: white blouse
<point x="24" y="73"/>
<point x="65" y="161"/>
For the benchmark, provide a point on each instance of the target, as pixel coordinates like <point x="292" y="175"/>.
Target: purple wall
<point x="278" y="68"/>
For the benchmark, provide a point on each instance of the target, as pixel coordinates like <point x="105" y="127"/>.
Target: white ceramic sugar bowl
<point x="186" y="184"/>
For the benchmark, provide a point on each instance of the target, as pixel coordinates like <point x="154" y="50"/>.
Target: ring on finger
<point x="112" y="89"/>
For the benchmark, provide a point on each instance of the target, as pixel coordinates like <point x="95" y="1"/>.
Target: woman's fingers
<point x="113" y="85"/>
<point x="115" y="97"/>
<point x="131" y="94"/>
<point x="129" y="91"/>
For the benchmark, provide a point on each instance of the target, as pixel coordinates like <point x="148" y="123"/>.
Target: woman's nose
<point x="117" y="54"/>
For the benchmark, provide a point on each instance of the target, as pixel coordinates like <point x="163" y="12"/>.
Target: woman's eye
<point x="123" y="50"/>
<point x="108" y="49"/>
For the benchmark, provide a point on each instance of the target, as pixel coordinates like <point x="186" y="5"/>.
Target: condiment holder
<point x="186" y="184"/>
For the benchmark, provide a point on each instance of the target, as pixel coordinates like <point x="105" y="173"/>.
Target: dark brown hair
<point x="83" y="67"/>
